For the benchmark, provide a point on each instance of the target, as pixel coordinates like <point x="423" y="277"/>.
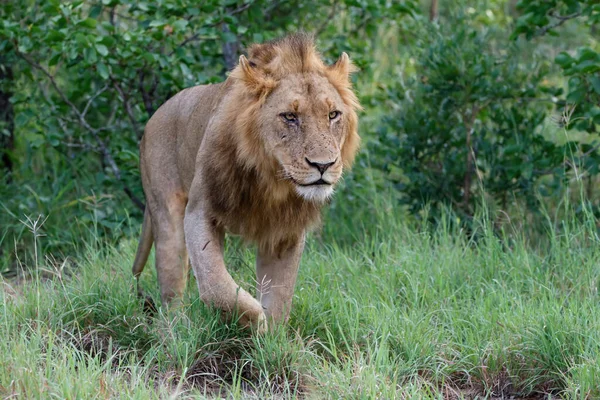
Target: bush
<point x="467" y="125"/>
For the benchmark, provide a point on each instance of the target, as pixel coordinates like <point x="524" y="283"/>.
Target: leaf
<point x="585" y="53"/>
<point x="95" y="11"/>
<point x="163" y="62"/>
<point x="576" y="96"/>
<point x="82" y="39"/>
<point x="150" y="58"/>
<point x="595" y="82"/>
<point x="563" y="59"/>
<point x="185" y="69"/>
<point x="102" y="49"/>
<point x="587" y="67"/>
<point x="54" y="59"/>
<point x="180" y="25"/>
<point x="229" y="37"/>
<point x="157" y="23"/>
<point x="103" y="70"/>
<point x="25" y="45"/>
<point x="89" y="54"/>
<point x="21" y="119"/>
<point x="89" y="23"/>
<point x="106" y="40"/>
<point x="594" y="113"/>
<point x="55" y="36"/>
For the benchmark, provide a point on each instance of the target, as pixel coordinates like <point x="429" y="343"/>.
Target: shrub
<point x="467" y="125"/>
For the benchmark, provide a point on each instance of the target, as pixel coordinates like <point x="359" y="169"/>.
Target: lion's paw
<point x="255" y="320"/>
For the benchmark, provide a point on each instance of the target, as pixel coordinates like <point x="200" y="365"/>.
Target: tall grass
<point x="390" y="310"/>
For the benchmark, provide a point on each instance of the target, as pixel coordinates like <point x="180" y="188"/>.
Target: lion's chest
<point x="257" y="217"/>
<point x="261" y="211"/>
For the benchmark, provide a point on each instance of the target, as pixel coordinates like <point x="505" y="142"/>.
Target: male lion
<point x="256" y="156"/>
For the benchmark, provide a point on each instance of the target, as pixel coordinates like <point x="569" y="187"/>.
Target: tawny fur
<point x="218" y="153"/>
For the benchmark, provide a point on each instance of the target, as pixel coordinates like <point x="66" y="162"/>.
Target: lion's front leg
<point x="217" y="288"/>
<point x="276" y="273"/>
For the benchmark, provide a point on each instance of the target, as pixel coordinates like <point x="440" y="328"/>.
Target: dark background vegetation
<point x="466" y="102"/>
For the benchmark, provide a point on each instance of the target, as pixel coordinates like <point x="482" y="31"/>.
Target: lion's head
<point x="300" y="115"/>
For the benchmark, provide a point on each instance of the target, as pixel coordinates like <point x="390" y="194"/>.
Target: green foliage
<point x="583" y="72"/>
<point x="539" y="17"/>
<point x="581" y="67"/>
<point x="85" y="77"/>
<point x="469" y="124"/>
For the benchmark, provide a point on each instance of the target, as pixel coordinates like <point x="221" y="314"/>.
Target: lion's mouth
<point x="318" y="191"/>
<point x="315" y="183"/>
<point x="318" y="182"/>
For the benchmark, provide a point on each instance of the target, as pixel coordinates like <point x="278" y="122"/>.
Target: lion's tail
<point x="144" y="246"/>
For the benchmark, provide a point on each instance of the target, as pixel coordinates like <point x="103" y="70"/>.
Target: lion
<point x="257" y="155"/>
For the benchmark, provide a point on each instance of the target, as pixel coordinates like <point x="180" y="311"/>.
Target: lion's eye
<point x="334" y="114"/>
<point x="290" y="117"/>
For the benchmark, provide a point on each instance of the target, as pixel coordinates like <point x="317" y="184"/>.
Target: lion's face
<point x="302" y="112"/>
<point x="303" y="124"/>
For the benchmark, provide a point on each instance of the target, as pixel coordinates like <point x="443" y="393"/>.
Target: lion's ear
<point x="343" y="67"/>
<point x="249" y="74"/>
<point x="254" y="79"/>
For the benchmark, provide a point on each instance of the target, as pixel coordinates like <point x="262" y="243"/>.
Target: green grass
<point x="395" y="310"/>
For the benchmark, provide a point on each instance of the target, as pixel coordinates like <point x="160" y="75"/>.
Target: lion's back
<point x="174" y="133"/>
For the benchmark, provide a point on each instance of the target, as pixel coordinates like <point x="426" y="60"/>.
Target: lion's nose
<point x="322" y="167"/>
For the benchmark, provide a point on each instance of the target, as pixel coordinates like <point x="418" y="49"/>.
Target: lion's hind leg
<point x="172" y="262"/>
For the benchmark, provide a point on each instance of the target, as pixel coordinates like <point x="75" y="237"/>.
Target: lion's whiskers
<point x="283" y="175"/>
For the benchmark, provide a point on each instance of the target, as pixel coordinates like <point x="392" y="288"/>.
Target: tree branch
<point x="469" y="123"/>
<point x="230" y="50"/>
<point x="272" y="6"/>
<point x="433" y="11"/>
<point x="112" y="15"/>
<point x="561" y="19"/>
<point x="324" y="24"/>
<point x="91" y="100"/>
<point x="107" y="156"/>
<point x="128" y="109"/>
<point x="145" y="95"/>
<point x="197" y="36"/>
